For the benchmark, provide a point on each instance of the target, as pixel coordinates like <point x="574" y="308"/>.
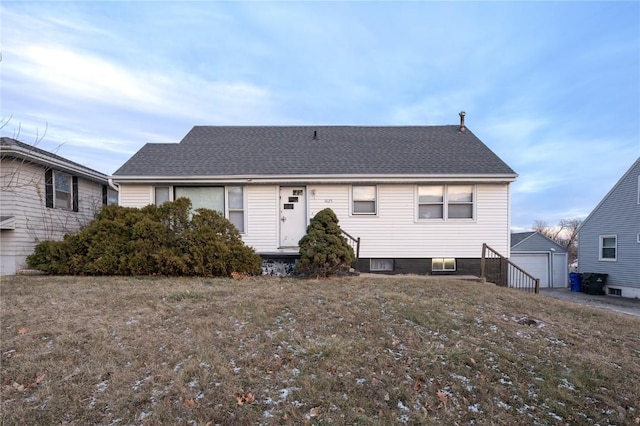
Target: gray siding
<point x="617" y="214"/>
<point x="22" y="196"/>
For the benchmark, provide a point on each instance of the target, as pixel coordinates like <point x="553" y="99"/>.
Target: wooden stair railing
<point x="501" y="271"/>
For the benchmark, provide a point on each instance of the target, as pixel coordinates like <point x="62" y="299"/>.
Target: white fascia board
<point x="37" y="158"/>
<point x="316" y="179"/>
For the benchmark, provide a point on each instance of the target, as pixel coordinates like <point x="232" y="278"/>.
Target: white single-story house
<point x="422" y="199"/>
<point x="541" y="257"/>
<point x="609" y="238"/>
<point x="43" y="196"/>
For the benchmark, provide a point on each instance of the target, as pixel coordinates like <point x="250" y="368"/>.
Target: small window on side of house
<point x="236" y="206"/>
<point x="112" y="196"/>
<point x="161" y="195"/>
<point x="364" y="199"/>
<point x="608" y="247"/>
<point x="446" y="264"/>
<point x="381" y="265"/>
<point x="63" y="195"/>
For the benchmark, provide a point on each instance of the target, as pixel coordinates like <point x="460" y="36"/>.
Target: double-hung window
<point x="364" y="199"/>
<point x="608" y="247"/>
<point x="61" y="190"/>
<point x="236" y="206"/>
<point x="445" y="201"/>
<point x="63" y="195"/>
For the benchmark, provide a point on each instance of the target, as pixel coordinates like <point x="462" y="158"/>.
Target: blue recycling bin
<point x="576" y="282"/>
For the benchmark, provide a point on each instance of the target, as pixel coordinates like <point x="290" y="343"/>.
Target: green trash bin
<point x="593" y="283"/>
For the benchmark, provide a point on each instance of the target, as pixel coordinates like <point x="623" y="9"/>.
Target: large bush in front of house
<point x="168" y="240"/>
<point x="324" y="250"/>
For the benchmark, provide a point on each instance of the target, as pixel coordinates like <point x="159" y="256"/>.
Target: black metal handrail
<point x="354" y="243"/>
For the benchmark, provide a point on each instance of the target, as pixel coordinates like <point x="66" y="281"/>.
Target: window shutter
<point x="48" y="188"/>
<point x="75" y="193"/>
<point x="104" y="195"/>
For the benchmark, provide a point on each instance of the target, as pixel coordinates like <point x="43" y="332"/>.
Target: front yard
<point x="120" y="351"/>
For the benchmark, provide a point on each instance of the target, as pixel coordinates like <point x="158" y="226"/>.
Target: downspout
<point x="115" y="187"/>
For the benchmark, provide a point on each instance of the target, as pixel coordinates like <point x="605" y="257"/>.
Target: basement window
<point x="443" y="264"/>
<point x="381" y="265"/>
<point x="615" y="292"/>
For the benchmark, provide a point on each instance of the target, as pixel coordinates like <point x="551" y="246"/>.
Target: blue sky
<point x="552" y="87"/>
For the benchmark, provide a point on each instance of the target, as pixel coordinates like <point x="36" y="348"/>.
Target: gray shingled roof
<point x="533" y="241"/>
<point x="13" y="147"/>
<point x="336" y="150"/>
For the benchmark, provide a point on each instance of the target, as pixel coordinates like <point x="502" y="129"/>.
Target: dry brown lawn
<point x="411" y="350"/>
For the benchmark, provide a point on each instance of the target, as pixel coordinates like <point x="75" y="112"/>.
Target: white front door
<point x="293" y="215"/>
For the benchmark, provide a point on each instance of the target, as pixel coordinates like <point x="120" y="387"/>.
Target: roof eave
<point x="35" y="157"/>
<point x="319" y="178"/>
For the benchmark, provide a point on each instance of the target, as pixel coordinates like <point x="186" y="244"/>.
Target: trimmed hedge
<point x="324" y="250"/>
<point x="168" y="240"/>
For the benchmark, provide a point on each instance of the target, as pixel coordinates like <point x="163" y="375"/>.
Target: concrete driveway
<point x="616" y="304"/>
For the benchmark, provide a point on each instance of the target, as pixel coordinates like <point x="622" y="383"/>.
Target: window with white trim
<point x="445" y="264"/>
<point x="235" y="197"/>
<point x="608" y="247"/>
<point x="446" y="201"/>
<point x="364" y="199"/>
<point x="228" y="201"/>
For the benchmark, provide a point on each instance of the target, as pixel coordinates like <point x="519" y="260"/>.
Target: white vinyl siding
<point x="395" y="233"/>
<point x="136" y="195"/>
<point x="261" y="218"/>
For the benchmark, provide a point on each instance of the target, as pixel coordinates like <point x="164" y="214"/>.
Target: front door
<point x="293" y="216"/>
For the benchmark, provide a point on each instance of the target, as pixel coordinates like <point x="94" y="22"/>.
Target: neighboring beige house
<point x="43" y="197"/>
<point x="422" y="199"/>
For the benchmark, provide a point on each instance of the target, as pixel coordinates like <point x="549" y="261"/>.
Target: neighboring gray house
<point x="42" y="197"/>
<point x="541" y="257"/>
<point x="422" y="199"/>
<point x="609" y="238"/>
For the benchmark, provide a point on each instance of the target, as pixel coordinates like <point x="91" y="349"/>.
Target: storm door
<point x="293" y="215"/>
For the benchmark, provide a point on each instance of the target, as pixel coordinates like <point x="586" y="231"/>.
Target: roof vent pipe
<point x="463" y="129"/>
<point x="315" y="134"/>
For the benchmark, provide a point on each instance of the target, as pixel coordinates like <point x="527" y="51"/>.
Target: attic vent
<point x="463" y="129"/>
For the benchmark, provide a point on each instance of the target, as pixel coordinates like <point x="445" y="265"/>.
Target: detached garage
<point x="541" y="257"/>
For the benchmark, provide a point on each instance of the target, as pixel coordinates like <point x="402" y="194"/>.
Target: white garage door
<point x="535" y="264"/>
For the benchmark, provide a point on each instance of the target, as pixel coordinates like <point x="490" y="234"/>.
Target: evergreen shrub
<point x="324" y="250"/>
<point x="168" y="240"/>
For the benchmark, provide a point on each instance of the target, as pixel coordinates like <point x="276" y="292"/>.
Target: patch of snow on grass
<point x="475" y="408"/>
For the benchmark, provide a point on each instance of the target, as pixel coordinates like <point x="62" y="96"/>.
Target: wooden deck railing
<point x="501" y="271"/>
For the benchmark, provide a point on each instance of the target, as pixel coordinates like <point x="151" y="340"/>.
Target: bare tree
<point x="565" y="234"/>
